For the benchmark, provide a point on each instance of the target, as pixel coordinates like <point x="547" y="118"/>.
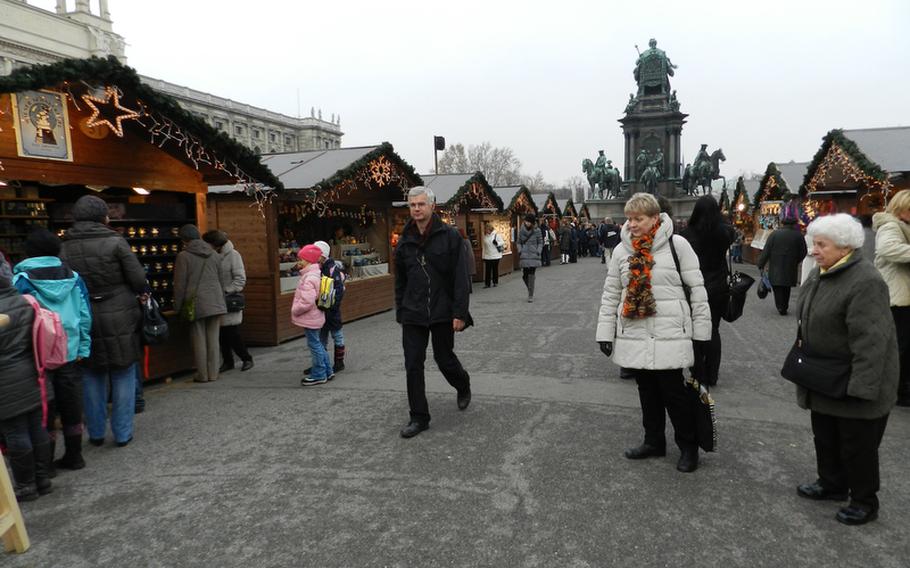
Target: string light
<point x="99" y="117"/>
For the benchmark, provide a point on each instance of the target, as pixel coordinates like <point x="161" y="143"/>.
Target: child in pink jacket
<point x="305" y="314"/>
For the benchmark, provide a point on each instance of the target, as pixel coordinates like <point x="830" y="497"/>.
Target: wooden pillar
<point x="201" y="213"/>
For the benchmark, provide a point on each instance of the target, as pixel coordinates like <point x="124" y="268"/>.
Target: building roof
<point x="540" y="199"/>
<point x="887" y="147"/>
<point x="445" y="186"/>
<point x="509" y="194"/>
<point x="304" y="170"/>
<point x="793" y="174"/>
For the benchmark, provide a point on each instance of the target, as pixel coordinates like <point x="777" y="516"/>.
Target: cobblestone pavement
<point x="254" y="470"/>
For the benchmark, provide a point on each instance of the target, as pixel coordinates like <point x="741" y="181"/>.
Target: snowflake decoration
<point x="381" y="171"/>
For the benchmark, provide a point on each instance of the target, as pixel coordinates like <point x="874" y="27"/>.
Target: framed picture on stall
<point x="42" y="125"/>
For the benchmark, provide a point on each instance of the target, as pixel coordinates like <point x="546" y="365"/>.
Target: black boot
<point x="23" y="466"/>
<point x="51" y="470"/>
<point x="43" y="465"/>
<point x="72" y="458"/>
<point x="339" y="359"/>
<point x="688" y="460"/>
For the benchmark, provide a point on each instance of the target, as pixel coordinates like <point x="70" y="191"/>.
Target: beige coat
<point x="664" y="340"/>
<point x="892" y="256"/>
<point x="233" y="279"/>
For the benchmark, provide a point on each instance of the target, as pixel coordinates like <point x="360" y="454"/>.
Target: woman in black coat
<point x="28" y="444"/>
<point x="711" y="238"/>
<point x="783" y="253"/>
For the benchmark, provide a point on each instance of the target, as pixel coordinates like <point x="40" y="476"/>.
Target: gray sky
<point x="763" y="80"/>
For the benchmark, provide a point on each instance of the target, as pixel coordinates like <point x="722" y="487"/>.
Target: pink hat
<point x="324" y="247"/>
<point x="310" y="253"/>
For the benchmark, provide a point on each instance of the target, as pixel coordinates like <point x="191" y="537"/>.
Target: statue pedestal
<point x="613" y="208"/>
<point x="652" y="125"/>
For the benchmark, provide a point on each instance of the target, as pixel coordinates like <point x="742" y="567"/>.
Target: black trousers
<point x="414" y="339"/>
<point x="663" y="392"/>
<point x="231" y="342"/>
<point x="490" y="272"/>
<point x="67" y="402"/>
<point x="901" y="316"/>
<point x="707" y="354"/>
<point x="545" y="255"/>
<point x="847" y="453"/>
<point x="781" y="298"/>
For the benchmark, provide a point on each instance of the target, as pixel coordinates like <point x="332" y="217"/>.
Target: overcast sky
<point x="763" y="80"/>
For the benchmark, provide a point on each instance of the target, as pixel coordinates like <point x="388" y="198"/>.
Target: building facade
<point x="30" y="35"/>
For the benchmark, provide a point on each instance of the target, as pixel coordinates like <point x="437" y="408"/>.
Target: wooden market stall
<point x="90" y="126"/>
<point x="520" y="203"/>
<point x="584" y="214"/>
<point x="776" y="198"/>
<point x="567" y="206"/>
<point x="343" y="196"/>
<point x="467" y="201"/>
<point x="856" y="171"/>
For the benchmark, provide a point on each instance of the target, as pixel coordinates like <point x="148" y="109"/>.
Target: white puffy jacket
<point x="664" y="340"/>
<point x="892" y="255"/>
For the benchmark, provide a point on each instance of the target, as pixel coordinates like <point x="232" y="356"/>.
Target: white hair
<point x="842" y="229"/>
<point x="421" y="190"/>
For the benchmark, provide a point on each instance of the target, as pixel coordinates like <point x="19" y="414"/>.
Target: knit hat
<point x="188" y="233"/>
<point x="310" y="253"/>
<point x="324" y="247"/>
<point x="90" y="208"/>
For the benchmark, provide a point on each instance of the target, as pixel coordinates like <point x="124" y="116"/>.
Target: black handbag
<point x="824" y="375"/>
<point x="235" y="302"/>
<point x="739" y="284"/>
<point x="154" y="327"/>
<point x="705" y="417"/>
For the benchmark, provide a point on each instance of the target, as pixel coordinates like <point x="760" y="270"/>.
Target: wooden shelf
<point x="36" y="217"/>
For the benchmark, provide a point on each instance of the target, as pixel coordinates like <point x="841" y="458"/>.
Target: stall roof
<point x="793" y="173"/>
<point x="874" y="140"/>
<point x="541" y="199"/>
<point x="448" y="187"/>
<point x="565" y="205"/>
<point x="887" y="147"/>
<point x="70" y="74"/>
<point x="511" y="193"/>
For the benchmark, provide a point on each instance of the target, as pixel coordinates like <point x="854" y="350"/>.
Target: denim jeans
<point x="322" y="366"/>
<point x="337" y="337"/>
<point x="123" y="401"/>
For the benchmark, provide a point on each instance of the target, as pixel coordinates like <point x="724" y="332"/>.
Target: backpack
<point x="331" y="288"/>
<point x="48" y="337"/>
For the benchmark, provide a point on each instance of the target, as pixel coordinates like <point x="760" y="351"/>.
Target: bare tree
<point x="536" y="183"/>
<point x="499" y="165"/>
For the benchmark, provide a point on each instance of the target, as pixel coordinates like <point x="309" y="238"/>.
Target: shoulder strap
<point x="679" y="270"/>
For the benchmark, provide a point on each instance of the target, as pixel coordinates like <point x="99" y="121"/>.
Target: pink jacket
<point x="304" y="312"/>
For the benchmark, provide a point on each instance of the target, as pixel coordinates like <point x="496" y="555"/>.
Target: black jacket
<point x="114" y="278"/>
<point x="431" y="279"/>
<point x="333" y="314"/>
<point x="783" y="252"/>
<point x="18" y="377"/>
<point x="711" y="249"/>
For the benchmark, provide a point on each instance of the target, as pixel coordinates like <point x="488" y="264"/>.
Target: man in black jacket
<point x="431" y="297"/>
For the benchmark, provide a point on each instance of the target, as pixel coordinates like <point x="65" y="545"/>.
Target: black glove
<point x="606" y="347"/>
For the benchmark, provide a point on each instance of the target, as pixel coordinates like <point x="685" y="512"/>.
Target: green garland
<point x="570" y="204"/>
<point x="478" y="177"/>
<point x="523" y="190"/>
<point x="836" y="136"/>
<point x="110" y="71"/>
<point x="782" y="191"/>
<point x="551" y="197"/>
<point x="384" y="149"/>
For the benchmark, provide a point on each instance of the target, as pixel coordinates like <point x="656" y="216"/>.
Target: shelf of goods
<point x="361" y="261"/>
<point x="17" y="217"/>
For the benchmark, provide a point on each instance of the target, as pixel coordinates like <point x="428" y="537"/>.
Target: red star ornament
<point x="111" y="114"/>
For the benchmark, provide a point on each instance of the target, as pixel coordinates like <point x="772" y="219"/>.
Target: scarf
<point x="639" y="302"/>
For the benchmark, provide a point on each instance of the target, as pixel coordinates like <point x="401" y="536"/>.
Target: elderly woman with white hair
<point x="844" y="319"/>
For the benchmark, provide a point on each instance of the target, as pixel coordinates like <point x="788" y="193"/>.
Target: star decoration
<point x="108" y="111"/>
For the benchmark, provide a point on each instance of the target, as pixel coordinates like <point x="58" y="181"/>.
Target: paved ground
<point x="256" y="471"/>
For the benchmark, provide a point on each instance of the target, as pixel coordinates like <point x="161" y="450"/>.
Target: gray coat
<point x="783" y="252"/>
<point x="114" y="278"/>
<point x="197" y="272"/>
<point x="233" y="279"/>
<point x="18" y="377"/>
<point x="846" y="311"/>
<point x="531" y="243"/>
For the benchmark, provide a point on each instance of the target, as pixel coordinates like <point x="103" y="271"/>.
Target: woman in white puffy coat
<point x="647" y="324"/>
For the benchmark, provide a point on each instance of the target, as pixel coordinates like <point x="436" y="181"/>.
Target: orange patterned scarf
<point x="639" y="301"/>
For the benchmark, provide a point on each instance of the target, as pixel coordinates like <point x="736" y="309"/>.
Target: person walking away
<point x="233" y="281"/>
<point x="844" y="316"/>
<point x="492" y="253"/>
<point x="892" y="259"/>
<point x="306" y="314"/>
<point x="431" y="299"/>
<point x="610" y="238"/>
<point x="545" y="232"/>
<point x="197" y="283"/>
<point x="56" y="287"/>
<point x="710" y="237"/>
<point x="333" y="269"/>
<point x="565" y="241"/>
<point x="783" y="252"/>
<point x="530" y="242"/>
<point x="573" y="243"/>
<point x="736" y="253"/>
<point x="647" y="324"/>
<point x="115" y="280"/>
<point x="468" y="259"/>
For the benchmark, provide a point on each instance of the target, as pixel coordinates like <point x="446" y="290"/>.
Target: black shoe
<point x="464" y="399"/>
<point x="247" y="365"/>
<point x="224" y="368"/>
<point x="96" y="441"/>
<point x="72" y="457"/>
<point x="645" y="451"/>
<point x="688" y="461"/>
<point x="339" y="366"/>
<point x="855" y="516"/>
<point x="816" y="492"/>
<point x="413" y="428"/>
<point x="124" y="444"/>
<point x="486" y="285"/>
<point x="782" y="312"/>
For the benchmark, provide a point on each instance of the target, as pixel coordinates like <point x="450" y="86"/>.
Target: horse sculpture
<point x="704" y="172"/>
<point x="605" y="184"/>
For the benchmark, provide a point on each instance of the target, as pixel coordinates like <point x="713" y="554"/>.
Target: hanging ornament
<point x="107" y="110"/>
<point x="381" y="171"/>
